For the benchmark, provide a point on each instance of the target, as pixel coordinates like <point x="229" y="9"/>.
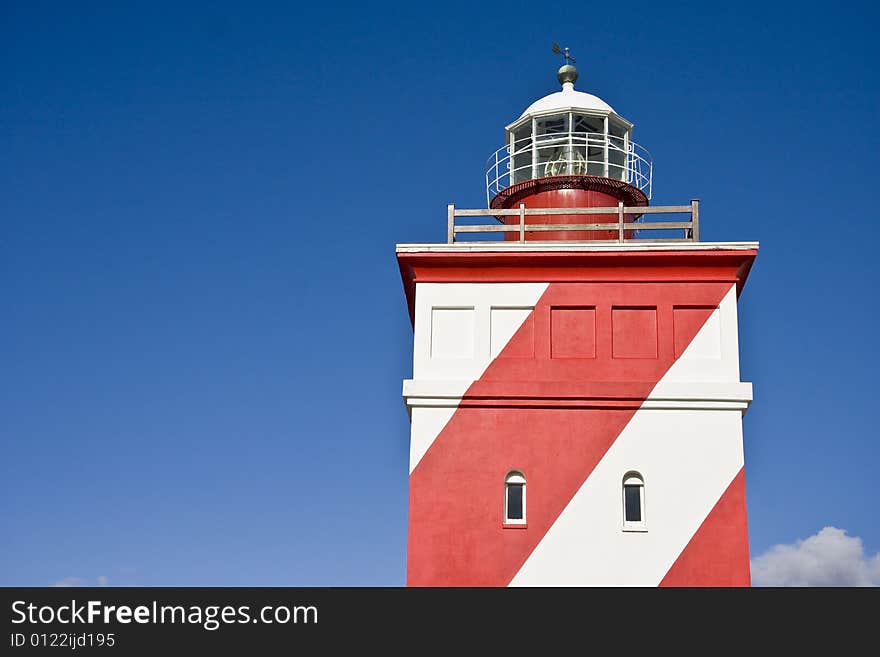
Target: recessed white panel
<point x="452" y="333"/>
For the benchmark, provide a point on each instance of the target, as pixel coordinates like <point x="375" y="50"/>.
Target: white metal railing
<point x="569" y="153"/>
<point x="620" y="227"/>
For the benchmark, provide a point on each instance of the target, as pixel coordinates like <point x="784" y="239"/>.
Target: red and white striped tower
<point x="576" y="403"/>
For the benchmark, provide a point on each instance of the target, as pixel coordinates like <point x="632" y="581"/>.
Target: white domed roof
<point x="568" y="98"/>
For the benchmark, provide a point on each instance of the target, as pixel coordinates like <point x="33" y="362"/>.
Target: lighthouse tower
<point x="576" y="404"/>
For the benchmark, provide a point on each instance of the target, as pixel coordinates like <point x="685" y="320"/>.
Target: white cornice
<point x="712" y="395"/>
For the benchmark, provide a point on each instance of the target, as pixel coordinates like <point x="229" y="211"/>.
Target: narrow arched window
<point x="633" y="502"/>
<point x="515" y="498"/>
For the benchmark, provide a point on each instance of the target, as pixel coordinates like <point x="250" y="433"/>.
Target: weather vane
<point x="564" y="52"/>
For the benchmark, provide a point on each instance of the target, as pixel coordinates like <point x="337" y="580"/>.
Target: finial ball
<point x="567" y="73"/>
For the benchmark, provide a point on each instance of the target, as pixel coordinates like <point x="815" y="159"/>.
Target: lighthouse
<point x="575" y="402"/>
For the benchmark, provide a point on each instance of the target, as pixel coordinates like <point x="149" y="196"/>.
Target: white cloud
<point x="79" y="581"/>
<point x="70" y="581"/>
<point x="828" y="558"/>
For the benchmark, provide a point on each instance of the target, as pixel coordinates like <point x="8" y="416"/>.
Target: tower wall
<point x="574" y="369"/>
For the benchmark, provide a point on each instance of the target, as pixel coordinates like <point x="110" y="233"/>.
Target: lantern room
<point x="569" y="149"/>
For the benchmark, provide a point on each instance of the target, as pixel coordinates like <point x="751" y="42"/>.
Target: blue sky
<point x="205" y="333"/>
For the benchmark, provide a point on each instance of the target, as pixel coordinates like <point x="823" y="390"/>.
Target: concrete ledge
<point x="709" y="395"/>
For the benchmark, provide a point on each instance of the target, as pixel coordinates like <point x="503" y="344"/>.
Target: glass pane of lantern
<point x="617" y="159"/>
<point x="587" y="123"/>
<point x="552" y="125"/>
<point x="586" y="129"/>
<point x="596" y="156"/>
<point x="551" y="144"/>
<point x="616" y="128"/>
<point x="522" y="156"/>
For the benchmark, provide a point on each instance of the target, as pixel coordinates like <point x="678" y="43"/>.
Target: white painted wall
<point x="459" y="327"/>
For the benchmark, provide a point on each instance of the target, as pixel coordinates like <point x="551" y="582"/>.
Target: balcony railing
<point x="569" y="153"/>
<point x="638" y="229"/>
